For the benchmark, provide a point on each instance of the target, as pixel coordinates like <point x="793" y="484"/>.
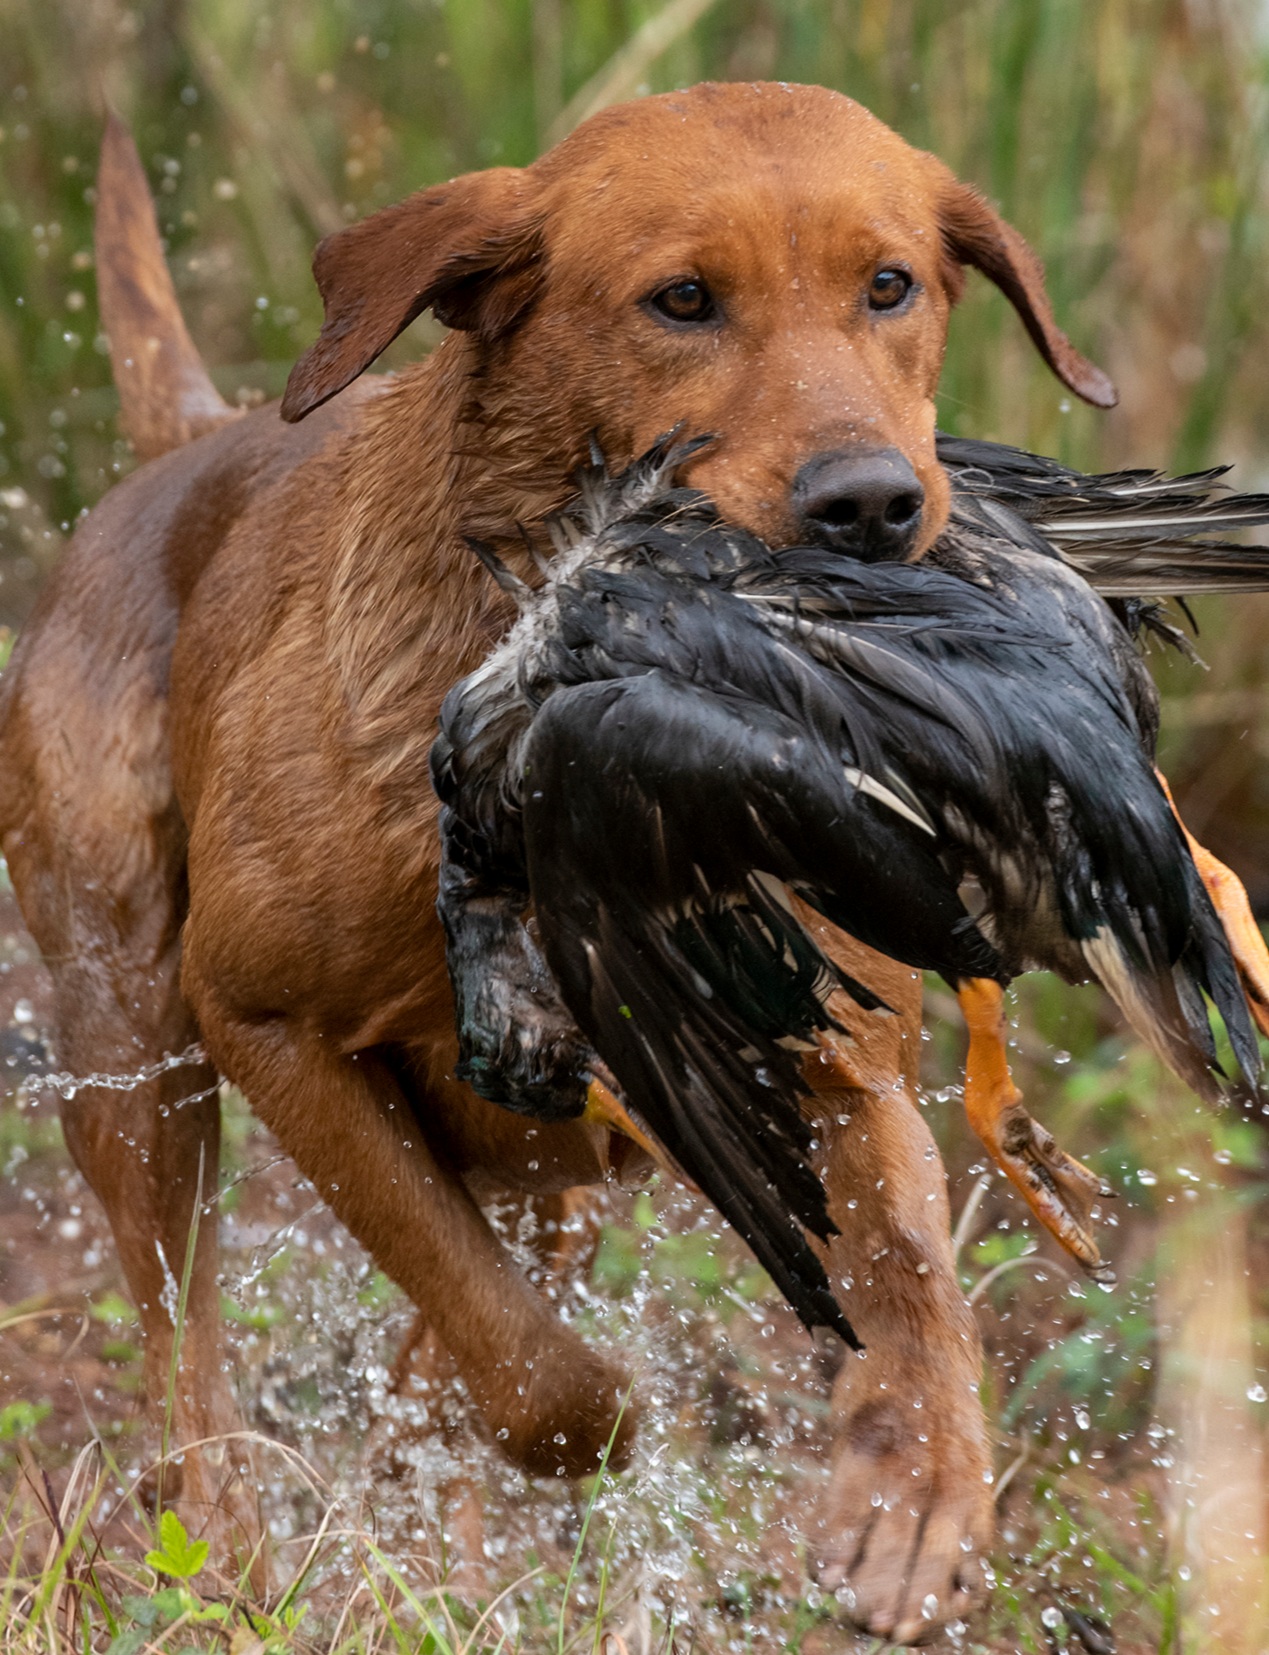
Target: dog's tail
<point x="166" y="395"/>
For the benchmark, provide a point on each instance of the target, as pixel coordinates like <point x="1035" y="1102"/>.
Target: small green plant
<point x="113" y="1309"/>
<point x="260" y="1318"/>
<point x="22" y="1419"/>
<point x="152" y="1615"/>
<point x="693" y="1266"/>
<point x="177" y="1555"/>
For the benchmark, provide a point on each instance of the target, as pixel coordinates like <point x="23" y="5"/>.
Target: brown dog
<point x="216" y="805"/>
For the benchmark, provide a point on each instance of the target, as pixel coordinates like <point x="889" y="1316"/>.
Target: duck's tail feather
<point x="1130" y="533"/>
<point x="1167" y="1008"/>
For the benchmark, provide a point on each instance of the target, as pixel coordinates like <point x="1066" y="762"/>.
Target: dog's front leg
<point x="426" y="1408"/>
<point x="550" y="1401"/>
<point x="908" y="1511"/>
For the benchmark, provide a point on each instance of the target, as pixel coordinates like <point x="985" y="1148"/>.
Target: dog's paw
<point x="562" y="1412"/>
<point x="908" y="1513"/>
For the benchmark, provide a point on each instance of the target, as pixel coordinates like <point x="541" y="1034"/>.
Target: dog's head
<point x="766" y="262"/>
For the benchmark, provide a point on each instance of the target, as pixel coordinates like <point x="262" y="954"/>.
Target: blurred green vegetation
<point x="1126" y="138"/>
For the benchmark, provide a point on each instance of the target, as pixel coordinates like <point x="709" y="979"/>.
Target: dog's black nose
<point x="865" y="502"/>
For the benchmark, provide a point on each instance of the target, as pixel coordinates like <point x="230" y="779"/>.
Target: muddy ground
<point x="736" y="1446"/>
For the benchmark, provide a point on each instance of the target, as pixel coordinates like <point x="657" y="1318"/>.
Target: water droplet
<point x="1051" y="1617"/>
<point x="1146" y="1177"/>
<point x="1257" y="1393"/>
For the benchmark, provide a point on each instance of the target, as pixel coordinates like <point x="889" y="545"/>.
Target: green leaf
<point x="178" y="1556"/>
<point x="644" y="1214"/>
<point x="209" y="1612"/>
<point x="20" y="1419"/>
<point x="129" y="1643"/>
<point x="173" y="1602"/>
<point x="145" y="1611"/>
<point x="112" y="1308"/>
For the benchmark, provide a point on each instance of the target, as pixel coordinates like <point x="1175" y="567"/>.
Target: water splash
<point x="68" y="1085"/>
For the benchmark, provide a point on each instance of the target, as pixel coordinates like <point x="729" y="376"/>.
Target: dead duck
<point x="952" y="761"/>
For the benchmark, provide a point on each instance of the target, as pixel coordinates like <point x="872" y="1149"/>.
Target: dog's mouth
<point x="863" y="501"/>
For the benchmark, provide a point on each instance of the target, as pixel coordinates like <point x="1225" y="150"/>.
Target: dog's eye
<point x="889" y="287"/>
<point x="686" y="301"/>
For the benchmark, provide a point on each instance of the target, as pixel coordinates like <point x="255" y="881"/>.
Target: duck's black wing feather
<point x="1072" y="778"/>
<point x="1048" y="788"/>
<point x="1001" y="705"/>
<point x="659" y="819"/>
<point x="1130" y="533"/>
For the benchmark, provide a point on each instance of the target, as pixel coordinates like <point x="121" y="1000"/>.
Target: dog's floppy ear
<point x="469" y="250"/>
<point x="974" y="233"/>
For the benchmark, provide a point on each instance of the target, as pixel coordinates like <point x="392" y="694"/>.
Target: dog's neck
<point x="408" y="607"/>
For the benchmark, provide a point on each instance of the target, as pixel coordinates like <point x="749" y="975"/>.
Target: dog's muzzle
<point x="866" y="503"/>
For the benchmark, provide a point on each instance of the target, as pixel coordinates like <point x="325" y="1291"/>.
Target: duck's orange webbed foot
<point x="1229" y="899"/>
<point x="605" y="1109"/>
<point x="1059" y="1190"/>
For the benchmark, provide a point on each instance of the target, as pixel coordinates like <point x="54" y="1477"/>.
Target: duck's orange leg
<point x="1059" y="1189"/>
<point x="605" y="1109"/>
<point x="1229" y="899"/>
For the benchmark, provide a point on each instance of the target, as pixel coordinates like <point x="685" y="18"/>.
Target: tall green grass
<point x="1126" y="138"/>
